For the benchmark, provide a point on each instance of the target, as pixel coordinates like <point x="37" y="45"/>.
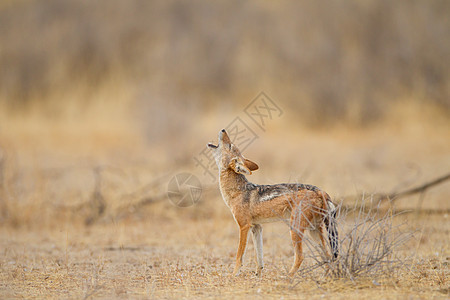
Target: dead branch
<point x="97" y="203"/>
<point x="379" y="198"/>
<point x="420" y="189"/>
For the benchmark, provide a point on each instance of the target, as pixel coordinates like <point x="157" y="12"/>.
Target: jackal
<point x="304" y="205"/>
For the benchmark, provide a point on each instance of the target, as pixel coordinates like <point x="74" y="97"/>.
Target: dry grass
<point x="182" y="257"/>
<point x="140" y="250"/>
<point x="368" y="242"/>
<point x="344" y="62"/>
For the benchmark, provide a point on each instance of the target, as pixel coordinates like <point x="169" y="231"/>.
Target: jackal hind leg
<point x="318" y="234"/>
<point x="297" y="232"/>
<point x="258" y="243"/>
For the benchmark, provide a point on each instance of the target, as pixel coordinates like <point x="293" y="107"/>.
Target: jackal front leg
<point x="258" y="243"/>
<point x="241" y="249"/>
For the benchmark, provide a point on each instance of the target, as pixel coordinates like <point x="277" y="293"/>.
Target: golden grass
<point x="181" y="257"/>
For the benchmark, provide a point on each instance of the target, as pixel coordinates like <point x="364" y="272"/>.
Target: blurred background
<point x="103" y="102"/>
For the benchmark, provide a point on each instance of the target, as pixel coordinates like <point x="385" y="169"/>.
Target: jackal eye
<point x="234" y="149"/>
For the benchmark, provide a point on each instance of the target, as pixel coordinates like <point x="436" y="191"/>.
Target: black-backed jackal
<point x="305" y="206"/>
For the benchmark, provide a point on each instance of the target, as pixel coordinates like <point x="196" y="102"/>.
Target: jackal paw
<point x="258" y="272"/>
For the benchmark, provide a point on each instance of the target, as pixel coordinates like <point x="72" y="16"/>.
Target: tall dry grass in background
<point x="331" y="62"/>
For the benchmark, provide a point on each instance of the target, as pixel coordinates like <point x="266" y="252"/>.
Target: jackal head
<point x="228" y="156"/>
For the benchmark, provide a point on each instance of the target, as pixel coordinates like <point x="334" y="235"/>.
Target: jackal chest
<point x="234" y="196"/>
<point x="230" y="197"/>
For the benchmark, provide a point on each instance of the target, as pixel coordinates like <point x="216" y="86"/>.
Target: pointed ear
<point x="251" y="165"/>
<point x="239" y="167"/>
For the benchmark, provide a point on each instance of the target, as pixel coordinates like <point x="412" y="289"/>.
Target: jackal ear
<point x="251" y="165"/>
<point x="239" y="167"/>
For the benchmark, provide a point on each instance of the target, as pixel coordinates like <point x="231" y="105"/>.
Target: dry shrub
<point x="368" y="244"/>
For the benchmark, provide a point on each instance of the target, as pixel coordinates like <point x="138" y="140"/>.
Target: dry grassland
<point x="134" y="248"/>
<point x="101" y="105"/>
<point x="186" y="258"/>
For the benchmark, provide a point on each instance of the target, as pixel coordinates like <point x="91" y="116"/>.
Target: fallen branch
<point x="379" y="198"/>
<point x="420" y="189"/>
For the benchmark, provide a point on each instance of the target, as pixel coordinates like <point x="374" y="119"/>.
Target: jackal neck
<point x="232" y="182"/>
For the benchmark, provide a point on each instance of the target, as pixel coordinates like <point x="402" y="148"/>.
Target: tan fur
<point x="304" y="206"/>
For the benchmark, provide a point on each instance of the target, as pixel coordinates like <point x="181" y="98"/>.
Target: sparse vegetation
<point x="369" y="240"/>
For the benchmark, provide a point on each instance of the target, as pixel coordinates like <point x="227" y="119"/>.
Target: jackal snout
<point x="228" y="156"/>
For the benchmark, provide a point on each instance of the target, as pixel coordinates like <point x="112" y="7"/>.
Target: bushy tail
<point x="331" y="225"/>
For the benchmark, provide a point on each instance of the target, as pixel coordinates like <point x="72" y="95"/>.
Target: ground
<point x="186" y="258"/>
